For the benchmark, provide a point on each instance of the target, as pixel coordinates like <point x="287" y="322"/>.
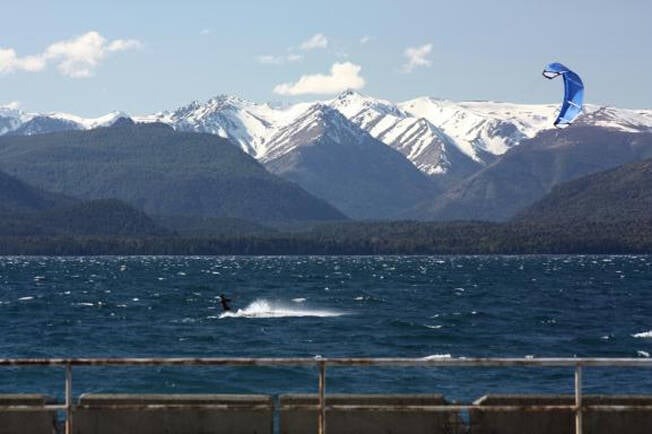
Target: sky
<point x="92" y="57"/>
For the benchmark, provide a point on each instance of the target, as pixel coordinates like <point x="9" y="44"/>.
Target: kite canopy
<point x="571" y="107"/>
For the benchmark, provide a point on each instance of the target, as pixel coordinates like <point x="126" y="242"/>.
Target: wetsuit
<point x="225" y="303"/>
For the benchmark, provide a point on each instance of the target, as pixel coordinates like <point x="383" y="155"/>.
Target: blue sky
<point x="89" y="58"/>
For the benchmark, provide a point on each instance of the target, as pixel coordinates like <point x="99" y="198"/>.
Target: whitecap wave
<point x="647" y="334"/>
<point x="267" y="309"/>
<point x="437" y="357"/>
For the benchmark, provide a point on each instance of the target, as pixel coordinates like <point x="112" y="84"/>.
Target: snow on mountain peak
<point x="480" y="127"/>
<point x="627" y="120"/>
<point x="11" y="117"/>
<point x="351" y="103"/>
<point x="421" y="142"/>
<point x="333" y="124"/>
<point x="11" y="109"/>
<point x="318" y="121"/>
<point x="90" y="123"/>
<point x="222" y="102"/>
<point x="436" y="135"/>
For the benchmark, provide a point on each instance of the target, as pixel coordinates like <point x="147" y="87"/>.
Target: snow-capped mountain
<point x="16" y="122"/>
<point x="246" y="123"/>
<point x="11" y="117"/>
<point x="420" y="141"/>
<point x="481" y="129"/>
<point x="334" y="159"/>
<point x="442" y="138"/>
<point x="626" y="120"/>
<point x="90" y="123"/>
<point x="319" y="120"/>
<point x="492" y="128"/>
<point x="523" y="176"/>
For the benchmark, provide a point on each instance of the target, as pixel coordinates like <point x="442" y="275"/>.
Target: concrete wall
<point x="560" y="421"/>
<point x="391" y="421"/>
<point x="93" y="415"/>
<point x="27" y="422"/>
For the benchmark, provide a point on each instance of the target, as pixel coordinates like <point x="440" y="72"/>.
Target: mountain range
<point x="623" y="194"/>
<point x="426" y="158"/>
<point x="432" y="133"/>
<point x="159" y="171"/>
<point x="530" y="171"/>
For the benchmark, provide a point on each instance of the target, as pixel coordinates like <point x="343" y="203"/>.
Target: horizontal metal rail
<point x="335" y="407"/>
<point x="340" y="361"/>
<point x="322" y="407"/>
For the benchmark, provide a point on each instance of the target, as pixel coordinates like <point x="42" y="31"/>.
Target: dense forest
<point x="158" y="171"/>
<point x="363" y="239"/>
<point x="603" y="212"/>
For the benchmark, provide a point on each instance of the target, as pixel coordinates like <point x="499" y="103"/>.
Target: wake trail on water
<point x="262" y="308"/>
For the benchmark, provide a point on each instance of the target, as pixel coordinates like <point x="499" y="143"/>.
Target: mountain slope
<point x="17" y="196"/>
<point x="160" y="171"/>
<point x="528" y="172"/>
<point x="333" y="159"/>
<point x="102" y="217"/>
<point x="445" y="139"/>
<point x="421" y="142"/>
<point x="17" y="123"/>
<point x="43" y="125"/>
<point x="11" y="118"/>
<point x="248" y="124"/>
<point x="483" y="130"/>
<point x="27" y="210"/>
<point x="616" y="195"/>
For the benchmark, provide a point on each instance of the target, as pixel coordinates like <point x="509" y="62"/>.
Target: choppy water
<point x="329" y="306"/>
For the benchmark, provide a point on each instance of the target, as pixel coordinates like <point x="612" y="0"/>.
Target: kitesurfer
<point x="225" y="303"/>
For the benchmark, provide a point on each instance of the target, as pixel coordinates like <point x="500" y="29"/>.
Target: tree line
<point x="360" y="238"/>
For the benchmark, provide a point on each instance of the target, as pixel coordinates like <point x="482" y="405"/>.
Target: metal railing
<point x="322" y="363"/>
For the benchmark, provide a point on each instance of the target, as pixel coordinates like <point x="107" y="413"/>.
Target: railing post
<point x="321" y="429"/>
<point x="68" y="398"/>
<point x="578" y="399"/>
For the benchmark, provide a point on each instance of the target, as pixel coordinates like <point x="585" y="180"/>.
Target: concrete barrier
<point x="392" y="420"/>
<point x="241" y="414"/>
<point x="561" y="421"/>
<point x="27" y="422"/>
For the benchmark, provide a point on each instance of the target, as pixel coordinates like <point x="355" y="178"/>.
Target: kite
<point x="571" y="107"/>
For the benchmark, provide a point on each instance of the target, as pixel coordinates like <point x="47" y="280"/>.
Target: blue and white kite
<point x="571" y="107"/>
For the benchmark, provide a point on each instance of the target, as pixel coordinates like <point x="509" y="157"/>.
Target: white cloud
<point x="268" y="59"/>
<point x="76" y="58"/>
<point x="10" y="62"/>
<point x="124" y="44"/>
<point x="416" y="56"/>
<point x="365" y="39"/>
<point x="7" y="59"/>
<point x="316" y="41"/>
<point x="294" y="57"/>
<point x="32" y="63"/>
<point x="342" y="76"/>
